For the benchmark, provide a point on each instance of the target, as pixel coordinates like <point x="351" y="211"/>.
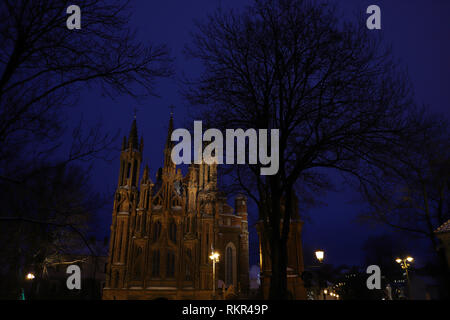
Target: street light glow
<point x="398" y="260"/>
<point x="410" y="259"/>
<point x="214" y="256"/>
<point x="320" y="255"/>
<point x="30" y="276"/>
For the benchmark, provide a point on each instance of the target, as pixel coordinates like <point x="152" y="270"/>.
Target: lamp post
<point x="215" y="258"/>
<point x="320" y="255"/>
<point x="405" y="264"/>
<point x="29" y="278"/>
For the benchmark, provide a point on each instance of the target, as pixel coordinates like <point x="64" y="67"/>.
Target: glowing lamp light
<point x="320" y="255"/>
<point x="398" y="260"/>
<point x="410" y="259"/>
<point x="214" y="256"/>
<point x="30" y="276"/>
<point x="325" y="291"/>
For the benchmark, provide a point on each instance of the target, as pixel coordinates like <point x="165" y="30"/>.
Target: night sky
<point x="419" y="32"/>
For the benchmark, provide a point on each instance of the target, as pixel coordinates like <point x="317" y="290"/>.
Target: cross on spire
<point x="171" y="107"/>
<point x="135" y="112"/>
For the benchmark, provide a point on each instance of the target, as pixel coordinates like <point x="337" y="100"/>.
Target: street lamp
<point x="215" y="258"/>
<point x="30" y="276"/>
<point x="320" y="255"/>
<point x="405" y="264"/>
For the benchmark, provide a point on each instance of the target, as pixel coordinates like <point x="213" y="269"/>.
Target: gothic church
<point x="163" y="232"/>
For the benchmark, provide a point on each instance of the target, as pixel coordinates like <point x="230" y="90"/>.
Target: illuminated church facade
<point x="163" y="233"/>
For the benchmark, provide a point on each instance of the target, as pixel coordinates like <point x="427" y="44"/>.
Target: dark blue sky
<point x="418" y="30"/>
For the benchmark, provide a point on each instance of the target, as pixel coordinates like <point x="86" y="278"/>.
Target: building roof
<point x="445" y="227"/>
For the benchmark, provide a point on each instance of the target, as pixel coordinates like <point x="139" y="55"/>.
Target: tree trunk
<point x="445" y="271"/>
<point x="278" y="250"/>
<point x="278" y="281"/>
<point x="443" y="266"/>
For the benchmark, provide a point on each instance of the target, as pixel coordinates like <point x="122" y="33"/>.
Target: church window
<point x="170" y="264"/>
<point x="207" y="244"/>
<point x="138" y="223"/>
<point x="188" y="224"/>
<point x="173" y="231"/>
<point x="122" y="174"/>
<point x="138" y="263"/>
<point x="119" y="241"/>
<point x="156" y="230"/>
<point x="230" y="263"/>
<point x="155" y="263"/>
<point x="116" y="280"/>
<point x="188" y="264"/>
<point x="134" y="172"/>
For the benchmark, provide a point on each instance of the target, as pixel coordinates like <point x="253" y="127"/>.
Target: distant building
<point x="443" y="234"/>
<point x="162" y="233"/>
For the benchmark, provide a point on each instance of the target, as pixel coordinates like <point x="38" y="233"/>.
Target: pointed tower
<point x="169" y="166"/>
<point x="169" y="176"/>
<point x="124" y="211"/>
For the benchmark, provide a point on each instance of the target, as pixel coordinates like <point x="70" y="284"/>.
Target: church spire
<point x="130" y="158"/>
<point x="169" y="145"/>
<point x="133" y="137"/>
<point x="169" y="142"/>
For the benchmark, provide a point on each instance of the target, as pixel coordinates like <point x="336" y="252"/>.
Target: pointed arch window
<point x="133" y="180"/>
<point x="155" y="263"/>
<point x="173" y="231"/>
<point x="156" y="230"/>
<point x="170" y="264"/>
<point x="230" y="264"/>
<point x="138" y="263"/>
<point x="188" y="264"/>
<point x="122" y="174"/>
<point x="116" y="280"/>
<point x="188" y="224"/>
<point x="207" y="247"/>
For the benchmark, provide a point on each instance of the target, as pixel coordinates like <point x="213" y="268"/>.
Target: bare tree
<point x="45" y="218"/>
<point x="43" y="68"/>
<point x="330" y="87"/>
<point x="410" y="190"/>
<point x="44" y="65"/>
